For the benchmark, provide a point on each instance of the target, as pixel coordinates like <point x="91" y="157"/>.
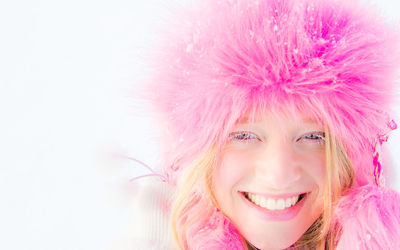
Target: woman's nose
<point x="278" y="166"/>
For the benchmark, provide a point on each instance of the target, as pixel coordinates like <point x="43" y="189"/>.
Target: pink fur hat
<point x="334" y="60"/>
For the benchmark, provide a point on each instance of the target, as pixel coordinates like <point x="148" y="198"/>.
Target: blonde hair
<point x="188" y="193"/>
<point x="339" y="176"/>
<point x="194" y="200"/>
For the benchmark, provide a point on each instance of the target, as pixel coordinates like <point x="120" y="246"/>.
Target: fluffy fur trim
<point x="370" y="219"/>
<point x="333" y="60"/>
<point x="217" y="233"/>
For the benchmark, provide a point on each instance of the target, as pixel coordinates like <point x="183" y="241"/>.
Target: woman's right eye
<point x="243" y="136"/>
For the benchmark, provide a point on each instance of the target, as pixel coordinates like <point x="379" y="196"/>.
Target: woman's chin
<point x="271" y="247"/>
<point x="264" y="244"/>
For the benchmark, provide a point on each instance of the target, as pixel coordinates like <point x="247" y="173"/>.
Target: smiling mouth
<point x="273" y="204"/>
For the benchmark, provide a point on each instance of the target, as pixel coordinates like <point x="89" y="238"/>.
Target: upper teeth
<point x="272" y="204"/>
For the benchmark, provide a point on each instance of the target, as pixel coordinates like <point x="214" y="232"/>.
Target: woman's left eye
<point x="320" y="136"/>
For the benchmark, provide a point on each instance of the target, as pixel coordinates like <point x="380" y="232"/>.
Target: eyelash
<point x="236" y="135"/>
<point x="319" y="137"/>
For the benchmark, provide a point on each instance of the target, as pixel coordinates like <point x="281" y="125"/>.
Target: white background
<point x="67" y="69"/>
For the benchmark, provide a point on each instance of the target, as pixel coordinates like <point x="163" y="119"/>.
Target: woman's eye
<point x="318" y="137"/>
<point x="244" y="136"/>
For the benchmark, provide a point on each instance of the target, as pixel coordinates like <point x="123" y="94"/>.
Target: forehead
<point x="281" y="118"/>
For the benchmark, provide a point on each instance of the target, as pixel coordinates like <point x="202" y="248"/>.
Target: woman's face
<point x="270" y="179"/>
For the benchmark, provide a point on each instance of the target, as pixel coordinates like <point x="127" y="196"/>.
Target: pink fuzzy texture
<point x="216" y="233"/>
<point x="370" y="219"/>
<point x="333" y="60"/>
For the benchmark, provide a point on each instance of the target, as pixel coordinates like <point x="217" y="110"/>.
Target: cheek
<point x="319" y="172"/>
<point x="230" y="171"/>
<point x="315" y="166"/>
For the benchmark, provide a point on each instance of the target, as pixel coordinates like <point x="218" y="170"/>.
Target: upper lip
<point x="275" y="196"/>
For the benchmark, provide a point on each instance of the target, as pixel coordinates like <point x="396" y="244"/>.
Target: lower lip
<point x="276" y="215"/>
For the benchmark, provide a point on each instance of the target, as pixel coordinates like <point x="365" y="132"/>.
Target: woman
<point x="272" y="114"/>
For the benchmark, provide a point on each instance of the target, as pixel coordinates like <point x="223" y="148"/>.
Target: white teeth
<point x="280" y="204"/>
<point x="288" y="202"/>
<point x="256" y="199"/>
<point x="295" y="199"/>
<point x="263" y="202"/>
<point x="272" y="204"/>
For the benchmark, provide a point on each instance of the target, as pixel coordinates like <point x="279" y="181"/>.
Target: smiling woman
<point x="272" y="115"/>
<point x="270" y="181"/>
<point x="275" y="178"/>
<point x="272" y="187"/>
